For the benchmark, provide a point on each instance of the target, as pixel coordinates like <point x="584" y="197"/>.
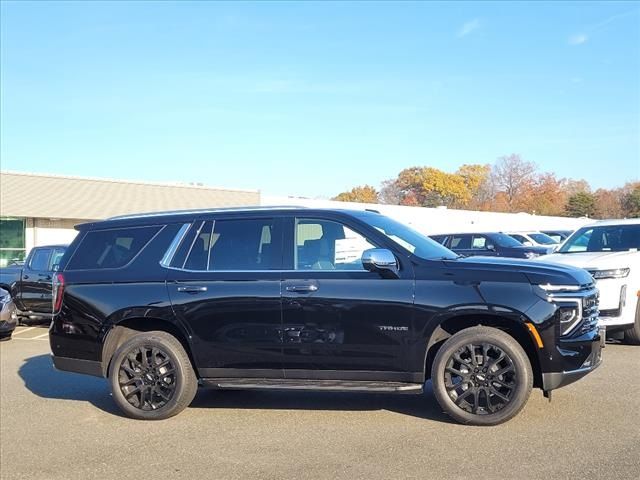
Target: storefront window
<point x="11" y="240"/>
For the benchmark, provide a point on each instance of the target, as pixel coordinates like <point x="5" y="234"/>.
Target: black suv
<point x="295" y="298"/>
<point x="493" y="244"/>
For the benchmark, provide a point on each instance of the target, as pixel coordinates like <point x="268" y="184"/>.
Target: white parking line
<point x="41" y="336"/>
<point x="28" y="339"/>
<point x="25" y="330"/>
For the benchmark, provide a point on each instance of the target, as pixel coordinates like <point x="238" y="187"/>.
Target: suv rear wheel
<point x="151" y="376"/>
<point x="481" y="376"/>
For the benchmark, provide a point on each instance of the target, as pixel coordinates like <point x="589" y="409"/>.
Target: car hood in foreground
<point x="538" y="272"/>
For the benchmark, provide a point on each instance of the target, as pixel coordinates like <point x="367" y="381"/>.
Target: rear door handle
<point x="302" y="288"/>
<point x="192" y="289"/>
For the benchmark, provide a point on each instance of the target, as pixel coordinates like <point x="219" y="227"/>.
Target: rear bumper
<point x="75" y="365"/>
<point x="593" y="349"/>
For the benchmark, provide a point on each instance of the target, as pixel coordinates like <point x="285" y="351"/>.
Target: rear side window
<point x="233" y="245"/>
<point x="460" y="242"/>
<point x="110" y="248"/>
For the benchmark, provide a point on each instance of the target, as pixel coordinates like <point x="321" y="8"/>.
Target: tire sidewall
<point x="152" y="340"/>
<point x="524" y="375"/>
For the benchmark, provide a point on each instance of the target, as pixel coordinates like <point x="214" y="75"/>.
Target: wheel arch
<point x="516" y="328"/>
<point x="119" y="332"/>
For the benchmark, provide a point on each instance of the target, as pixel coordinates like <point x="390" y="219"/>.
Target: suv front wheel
<point x="481" y="376"/>
<point x="151" y="376"/>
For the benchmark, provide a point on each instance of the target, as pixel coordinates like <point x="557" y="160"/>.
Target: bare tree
<point x="514" y="177"/>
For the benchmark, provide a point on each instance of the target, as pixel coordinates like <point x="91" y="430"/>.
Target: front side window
<point x="112" y="248"/>
<point x="40" y="259"/>
<point x="231" y="245"/>
<point x="479" y="242"/>
<point x="328" y="245"/>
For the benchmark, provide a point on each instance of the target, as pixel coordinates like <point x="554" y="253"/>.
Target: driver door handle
<point x="192" y="289"/>
<point x="302" y="288"/>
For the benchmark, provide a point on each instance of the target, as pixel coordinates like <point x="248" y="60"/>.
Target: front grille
<point x="590" y="313"/>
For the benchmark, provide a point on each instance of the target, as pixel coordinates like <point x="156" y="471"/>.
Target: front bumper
<point x="589" y="349"/>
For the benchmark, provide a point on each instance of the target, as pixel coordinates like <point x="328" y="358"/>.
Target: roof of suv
<point x="620" y="221"/>
<point x="179" y="215"/>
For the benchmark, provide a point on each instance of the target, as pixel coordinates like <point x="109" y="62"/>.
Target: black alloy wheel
<point x="481" y="376"/>
<point x="151" y="376"/>
<point x="147" y="377"/>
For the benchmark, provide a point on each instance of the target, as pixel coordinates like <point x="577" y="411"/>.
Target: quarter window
<point x="328" y="245"/>
<point x="111" y="248"/>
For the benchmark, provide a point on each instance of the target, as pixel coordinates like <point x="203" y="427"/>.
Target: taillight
<point x="58" y="291"/>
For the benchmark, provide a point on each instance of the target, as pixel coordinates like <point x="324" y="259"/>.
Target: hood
<point x="538" y="272"/>
<point x="596" y="260"/>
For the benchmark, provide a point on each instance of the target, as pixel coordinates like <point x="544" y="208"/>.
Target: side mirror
<point x="491" y="247"/>
<point x="380" y="260"/>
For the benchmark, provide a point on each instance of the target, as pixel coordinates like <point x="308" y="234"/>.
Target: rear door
<point x="224" y="284"/>
<point x="34" y="291"/>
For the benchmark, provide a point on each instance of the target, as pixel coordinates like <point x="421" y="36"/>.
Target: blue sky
<point x="314" y="98"/>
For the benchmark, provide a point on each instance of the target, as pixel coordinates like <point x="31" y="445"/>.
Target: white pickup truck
<point x="610" y="251"/>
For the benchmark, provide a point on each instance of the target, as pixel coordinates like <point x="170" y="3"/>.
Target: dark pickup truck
<point x="30" y="284"/>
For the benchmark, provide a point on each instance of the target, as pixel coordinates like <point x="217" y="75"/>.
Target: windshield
<point x="417" y="243"/>
<point x="543" y="239"/>
<point x="607" y="238"/>
<point x="505" y="240"/>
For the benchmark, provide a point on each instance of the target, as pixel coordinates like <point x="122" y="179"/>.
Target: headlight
<point x="569" y="318"/>
<point x="531" y="254"/>
<point x="612" y="273"/>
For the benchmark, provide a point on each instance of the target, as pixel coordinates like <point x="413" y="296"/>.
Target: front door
<point x="35" y="289"/>
<point x="224" y="284"/>
<point x="339" y="320"/>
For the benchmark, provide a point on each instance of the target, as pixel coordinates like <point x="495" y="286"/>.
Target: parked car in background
<point x="534" y="239"/>
<point x="312" y="299"/>
<point x="8" y="315"/>
<point x="30" y="284"/>
<point x="558" y="236"/>
<point x="610" y="251"/>
<point x="488" y="245"/>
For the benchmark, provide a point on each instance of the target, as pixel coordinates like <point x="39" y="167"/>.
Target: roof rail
<point x="204" y="210"/>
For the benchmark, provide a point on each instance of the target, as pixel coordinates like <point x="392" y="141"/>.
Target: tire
<point x="632" y="334"/>
<point x="151" y="376"/>
<point x="499" y="397"/>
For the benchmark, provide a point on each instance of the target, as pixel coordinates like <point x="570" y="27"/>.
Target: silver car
<point x="8" y="315"/>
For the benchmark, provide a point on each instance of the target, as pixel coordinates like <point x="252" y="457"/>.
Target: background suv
<point x="330" y="300"/>
<point x="610" y="251"/>
<point x="488" y="245"/>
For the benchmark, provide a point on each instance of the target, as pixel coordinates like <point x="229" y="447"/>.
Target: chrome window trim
<point x="175" y="243"/>
<point x="193" y="242"/>
<point x="209" y="247"/>
<point x="265" y="271"/>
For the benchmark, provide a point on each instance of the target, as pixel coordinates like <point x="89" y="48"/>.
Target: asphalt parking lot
<point x="56" y="425"/>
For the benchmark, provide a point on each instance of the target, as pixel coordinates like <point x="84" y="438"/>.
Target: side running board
<point x="312" y="385"/>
